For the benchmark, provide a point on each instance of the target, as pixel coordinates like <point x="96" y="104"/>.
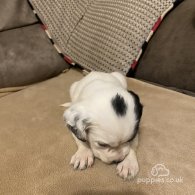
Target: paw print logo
<point x="159" y="170"/>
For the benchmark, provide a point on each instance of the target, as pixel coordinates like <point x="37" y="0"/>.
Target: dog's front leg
<point x="84" y="157"/>
<point x="128" y="168"/>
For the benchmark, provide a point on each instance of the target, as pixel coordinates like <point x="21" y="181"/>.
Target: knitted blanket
<point x="102" y="35"/>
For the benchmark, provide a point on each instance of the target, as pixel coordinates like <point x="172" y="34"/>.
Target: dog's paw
<point x="82" y="159"/>
<point x="128" y="168"/>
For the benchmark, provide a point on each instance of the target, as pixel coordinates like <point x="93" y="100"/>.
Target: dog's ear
<point x="138" y="109"/>
<point x="80" y="129"/>
<point x="77" y="124"/>
<point x="138" y="106"/>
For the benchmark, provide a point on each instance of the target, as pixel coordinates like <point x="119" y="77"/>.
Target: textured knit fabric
<point x="103" y="35"/>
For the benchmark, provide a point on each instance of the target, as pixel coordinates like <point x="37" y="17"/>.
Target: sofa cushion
<point x="170" y="56"/>
<point x="15" y="13"/>
<point x="104" y="35"/>
<point x="36" y="147"/>
<point x="27" y="56"/>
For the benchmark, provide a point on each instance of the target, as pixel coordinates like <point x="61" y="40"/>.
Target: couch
<point x="35" y="145"/>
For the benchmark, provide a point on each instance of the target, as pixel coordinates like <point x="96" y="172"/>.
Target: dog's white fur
<point x="91" y="112"/>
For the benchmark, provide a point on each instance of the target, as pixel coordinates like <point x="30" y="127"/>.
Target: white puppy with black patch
<point x="104" y="120"/>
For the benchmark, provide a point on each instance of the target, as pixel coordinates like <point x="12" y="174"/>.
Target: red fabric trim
<point x="156" y="25"/>
<point x="68" y="59"/>
<point x="133" y="65"/>
<point x="44" y="27"/>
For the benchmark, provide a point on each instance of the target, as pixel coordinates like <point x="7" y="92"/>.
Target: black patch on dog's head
<point x="119" y="105"/>
<point x="138" y="109"/>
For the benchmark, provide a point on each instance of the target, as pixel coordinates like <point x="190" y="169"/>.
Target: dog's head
<point x="107" y="124"/>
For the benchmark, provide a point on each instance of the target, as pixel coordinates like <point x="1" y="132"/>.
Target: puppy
<point x="104" y="119"/>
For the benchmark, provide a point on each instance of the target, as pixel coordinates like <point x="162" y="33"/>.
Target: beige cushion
<point x="35" y="146"/>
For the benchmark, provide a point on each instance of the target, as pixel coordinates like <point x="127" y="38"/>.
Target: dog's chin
<point x="107" y="158"/>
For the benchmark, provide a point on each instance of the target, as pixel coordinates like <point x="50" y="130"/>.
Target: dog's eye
<point x="103" y="145"/>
